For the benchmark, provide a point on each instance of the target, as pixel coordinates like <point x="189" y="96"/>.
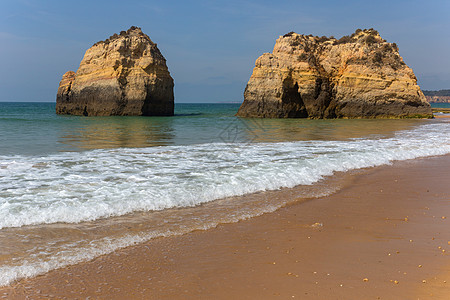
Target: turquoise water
<point x="35" y="129"/>
<point x="440" y="105"/>
<point x="73" y="188"/>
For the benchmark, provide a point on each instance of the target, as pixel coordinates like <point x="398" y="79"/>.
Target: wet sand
<point x="440" y="109"/>
<point x="442" y="116"/>
<point x="384" y="236"/>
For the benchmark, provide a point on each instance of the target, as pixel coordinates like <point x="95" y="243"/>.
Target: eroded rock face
<point x="358" y="76"/>
<point x="438" y="99"/>
<point x="123" y="75"/>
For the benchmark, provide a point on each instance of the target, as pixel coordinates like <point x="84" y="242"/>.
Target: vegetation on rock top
<point x="437" y="93"/>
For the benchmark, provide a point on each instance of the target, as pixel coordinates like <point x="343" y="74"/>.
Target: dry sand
<point x="385" y="236"/>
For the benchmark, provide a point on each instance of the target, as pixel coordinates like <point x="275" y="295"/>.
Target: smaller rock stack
<point x="125" y="75"/>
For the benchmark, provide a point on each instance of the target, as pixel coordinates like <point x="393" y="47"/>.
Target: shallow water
<point x="73" y="188"/>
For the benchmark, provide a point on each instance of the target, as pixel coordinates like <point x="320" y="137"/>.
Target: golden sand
<point x="386" y="236"/>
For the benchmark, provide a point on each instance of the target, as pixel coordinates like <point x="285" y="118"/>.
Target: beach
<point x="385" y="235"/>
<point x="236" y="150"/>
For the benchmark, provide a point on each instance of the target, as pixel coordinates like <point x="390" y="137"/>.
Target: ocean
<point x="440" y="105"/>
<point x="74" y="188"/>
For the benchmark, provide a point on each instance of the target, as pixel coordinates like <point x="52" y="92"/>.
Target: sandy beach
<point x="237" y="150"/>
<point x="386" y="235"/>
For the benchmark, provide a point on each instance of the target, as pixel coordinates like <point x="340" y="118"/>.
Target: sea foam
<point x="84" y="186"/>
<point x="73" y="187"/>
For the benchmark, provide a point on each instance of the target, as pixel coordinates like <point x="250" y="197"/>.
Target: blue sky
<point x="210" y="46"/>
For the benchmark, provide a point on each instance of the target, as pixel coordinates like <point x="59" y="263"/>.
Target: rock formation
<point x="123" y="75"/>
<point x="357" y="76"/>
<point x="442" y="96"/>
<point x="438" y="99"/>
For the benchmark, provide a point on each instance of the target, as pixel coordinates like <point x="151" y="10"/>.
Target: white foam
<point x="82" y="186"/>
<point x="74" y="253"/>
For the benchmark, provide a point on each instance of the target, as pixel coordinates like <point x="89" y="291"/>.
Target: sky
<point x="210" y="46"/>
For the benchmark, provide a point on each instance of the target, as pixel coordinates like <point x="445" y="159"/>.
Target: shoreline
<point x="377" y="237"/>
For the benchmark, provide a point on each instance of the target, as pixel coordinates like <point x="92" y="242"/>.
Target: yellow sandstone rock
<point x="357" y="76"/>
<point x="123" y="75"/>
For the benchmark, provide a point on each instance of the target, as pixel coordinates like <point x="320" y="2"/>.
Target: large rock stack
<point x="357" y="76"/>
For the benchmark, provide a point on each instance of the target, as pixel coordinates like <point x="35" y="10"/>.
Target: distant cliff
<point x="123" y="75"/>
<point x="357" y="76"/>
<point x="441" y="96"/>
